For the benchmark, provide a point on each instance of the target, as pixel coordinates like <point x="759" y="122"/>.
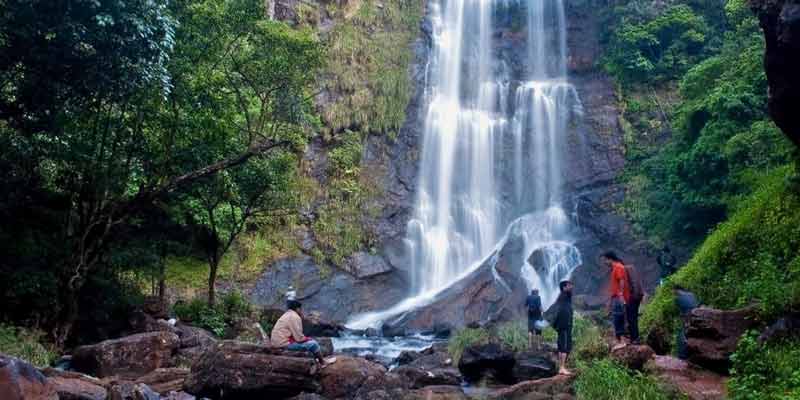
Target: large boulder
<point x="129" y="356"/>
<point x="141" y="322"/>
<point x="235" y="370"/>
<point x="75" y="386"/>
<point x="491" y="293"/>
<point x="780" y="21"/>
<point x="22" y="381"/>
<point x="315" y="325"/>
<point x="531" y="365"/>
<point x="192" y="336"/>
<point x="633" y="356"/>
<point x="417" y="378"/>
<point x="487" y="361"/>
<point x="349" y="375"/>
<point x="712" y="335"/>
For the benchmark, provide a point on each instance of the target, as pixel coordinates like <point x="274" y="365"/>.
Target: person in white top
<point x="288" y="333"/>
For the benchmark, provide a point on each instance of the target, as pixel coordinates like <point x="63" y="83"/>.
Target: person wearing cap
<point x="288" y="333"/>
<point x="563" y="325"/>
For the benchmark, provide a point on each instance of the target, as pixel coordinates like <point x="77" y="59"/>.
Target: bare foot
<point x="618" y="346"/>
<point x="564" y="371"/>
<point x="328" y="361"/>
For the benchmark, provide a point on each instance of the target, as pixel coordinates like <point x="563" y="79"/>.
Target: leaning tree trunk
<point x="212" y="280"/>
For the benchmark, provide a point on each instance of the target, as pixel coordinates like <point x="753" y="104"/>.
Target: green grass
<point x="607" y="380"/>
<point x="514" y="335"/>
<point x="27" y="345"/>
<point x="465" y="338"/>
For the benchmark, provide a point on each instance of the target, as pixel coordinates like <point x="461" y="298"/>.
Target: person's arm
<point x="296" y="329"/>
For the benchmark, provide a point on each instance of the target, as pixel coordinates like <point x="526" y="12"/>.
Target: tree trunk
<point x="212" y="280"/>
<point x="66" y="316"/>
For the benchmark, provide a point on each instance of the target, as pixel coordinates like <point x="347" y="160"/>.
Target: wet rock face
<point x="21" y="381"/>
<point x="493" y="292"/>
<point x="128" y="356"/>
<point x="780" y="21"/>
<point x="336" y="296"/>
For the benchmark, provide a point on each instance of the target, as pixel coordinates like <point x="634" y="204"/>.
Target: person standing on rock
<point x="635" y="297"/>
<point x="620" y="293"/>
<point x="534" y="304"/>
<point x="563" y="325"/>
<point x="288" y="333"/>
<point x="686" y="302"/>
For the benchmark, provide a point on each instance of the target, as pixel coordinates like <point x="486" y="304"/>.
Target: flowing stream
<point x="492" y="148"/>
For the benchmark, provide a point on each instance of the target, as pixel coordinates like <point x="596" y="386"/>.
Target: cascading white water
<point x="491" y="161"/>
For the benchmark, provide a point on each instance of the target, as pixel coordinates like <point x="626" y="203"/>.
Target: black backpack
<point x="635" y="282"/>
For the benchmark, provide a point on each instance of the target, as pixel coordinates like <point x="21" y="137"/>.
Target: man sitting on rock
<point x="288" y="333"/>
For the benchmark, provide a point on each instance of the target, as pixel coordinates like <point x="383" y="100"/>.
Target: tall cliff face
<point x="780" y="21"/>
<point x="594" y="159"/>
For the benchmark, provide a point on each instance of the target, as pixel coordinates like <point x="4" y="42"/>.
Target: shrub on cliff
<point x="754" y="257"/>
<point x="765" y="370"/>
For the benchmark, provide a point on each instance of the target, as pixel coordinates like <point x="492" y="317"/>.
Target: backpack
<point x="635" y="282"/>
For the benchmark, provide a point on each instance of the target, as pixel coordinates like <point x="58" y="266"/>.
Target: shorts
<point x="532" y="326"/>
<point x="565" y="341"/>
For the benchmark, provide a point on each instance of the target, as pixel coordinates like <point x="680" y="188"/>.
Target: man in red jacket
<point x="619" y="294"/>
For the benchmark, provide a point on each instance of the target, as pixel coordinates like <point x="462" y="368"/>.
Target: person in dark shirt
<point x="667" y="263"/>
<point x="563" y="325"/>
<point x="534" y="305"/>
<point x="686" y="302"/>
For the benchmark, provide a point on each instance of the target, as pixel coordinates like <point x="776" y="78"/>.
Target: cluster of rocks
<point x="185" y="362"/>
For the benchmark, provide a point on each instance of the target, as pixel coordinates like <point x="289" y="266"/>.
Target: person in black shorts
<point x="563" y="325"/>
<point x="534" y="305"/>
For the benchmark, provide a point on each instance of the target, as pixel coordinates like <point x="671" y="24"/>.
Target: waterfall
<point x="492" y="150"/>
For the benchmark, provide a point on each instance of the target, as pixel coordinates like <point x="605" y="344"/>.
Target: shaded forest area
<point x="134" y="130"/>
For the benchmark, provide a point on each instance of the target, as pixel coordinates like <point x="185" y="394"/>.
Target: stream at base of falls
<point x="381" y="349"/>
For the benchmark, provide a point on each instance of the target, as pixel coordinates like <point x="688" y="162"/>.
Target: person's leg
<point x="563" y="351"/>
<point x="681" y="341"/>
<point x="618" y="319"/>
<point x="310" y="346"/>
<point x="632" y="311"/>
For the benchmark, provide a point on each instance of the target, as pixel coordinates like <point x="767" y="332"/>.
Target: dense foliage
<point x="754" y="257"/>
<point x="698" y="137"/>
<point x="183" y="129"/>
<point x="769" y="371"/>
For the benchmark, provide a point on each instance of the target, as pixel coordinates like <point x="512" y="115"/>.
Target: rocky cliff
<point x="595" y="157"/>
<point x="780" y="21"/>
